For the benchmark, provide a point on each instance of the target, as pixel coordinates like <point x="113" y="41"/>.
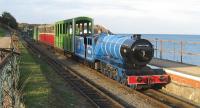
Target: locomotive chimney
<point x="137" y="36"/>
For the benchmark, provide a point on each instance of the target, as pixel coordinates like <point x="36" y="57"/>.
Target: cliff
<point x="100" y="29"/>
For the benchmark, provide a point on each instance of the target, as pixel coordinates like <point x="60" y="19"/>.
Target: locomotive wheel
<point x="115" y="75"/>
<point x="92" y="66"/>
<point x="110" y="75"/>
<point x="119" y="79"/>
<point x="105" y="73"/>
<point x="124" y="79"/>
<point x="124" y="82"/>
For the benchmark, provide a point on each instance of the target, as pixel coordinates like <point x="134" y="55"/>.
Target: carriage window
<point x="67" y="28"/>
<point x="85" y="28"/>
<point x="56" y="29"/>
<point x="89" y="41"/>
<point x="60" y="28"/>
<point x="77" y="29"/>
<point x="62" y="25"/>
<point x="81" y="29"/>
<point x="90" y="28"/>
<point x="70" y="30"/>
<point x="52" y="28"/>
<point x="64" y="28"/>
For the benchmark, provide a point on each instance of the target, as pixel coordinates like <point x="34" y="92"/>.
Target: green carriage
<point x="64" y="35"/>
<point x="66" y="30"/>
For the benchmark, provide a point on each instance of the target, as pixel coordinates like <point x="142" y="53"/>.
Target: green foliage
<point x="0" y="19"/>
<point x="2" y="32"/>
<point x="9" y="20"/>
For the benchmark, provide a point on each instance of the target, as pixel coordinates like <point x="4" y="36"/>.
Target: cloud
<point x="127" y="16"/>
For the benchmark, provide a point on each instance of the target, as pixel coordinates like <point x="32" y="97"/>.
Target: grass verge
<point x="43" y="88"/>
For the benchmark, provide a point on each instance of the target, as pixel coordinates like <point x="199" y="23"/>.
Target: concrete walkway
<point x="179" y="67"/>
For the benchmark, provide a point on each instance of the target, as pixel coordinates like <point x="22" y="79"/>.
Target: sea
<point x="176" y="47"/>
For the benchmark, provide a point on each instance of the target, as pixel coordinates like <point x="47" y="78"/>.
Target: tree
<point x="9" y="20"/>
<point x="0" y="19"/>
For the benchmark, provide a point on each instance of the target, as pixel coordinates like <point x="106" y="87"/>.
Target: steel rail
<point x="167" y="99"/>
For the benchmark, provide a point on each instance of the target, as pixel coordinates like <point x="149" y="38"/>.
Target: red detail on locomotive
<point x="151" y="79"/>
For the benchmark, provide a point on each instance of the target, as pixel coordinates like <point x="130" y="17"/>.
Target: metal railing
<point x="9" y="76"/>
<point x="179" y="51"/>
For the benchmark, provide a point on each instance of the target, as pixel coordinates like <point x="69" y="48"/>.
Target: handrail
<point x="177" y="48"/>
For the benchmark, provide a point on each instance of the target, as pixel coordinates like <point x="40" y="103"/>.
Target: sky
<point x="120" y="16"/>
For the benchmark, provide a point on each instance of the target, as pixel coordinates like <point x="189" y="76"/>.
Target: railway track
<point x="98" y="98"/>
<point x="168" y="99"/>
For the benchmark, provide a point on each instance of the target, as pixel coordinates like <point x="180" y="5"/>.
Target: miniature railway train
<point x="120" y="57"/>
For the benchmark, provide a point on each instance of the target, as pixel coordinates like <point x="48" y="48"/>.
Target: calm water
<point x="177" y="37"/>
<point x="171" y="50"/>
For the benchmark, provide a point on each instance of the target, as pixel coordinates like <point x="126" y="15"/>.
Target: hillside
<point x="100" y="29"/>
<point x="5" y="30"/>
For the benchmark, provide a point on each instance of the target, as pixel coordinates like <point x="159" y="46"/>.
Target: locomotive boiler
<point x="129" y="51"/>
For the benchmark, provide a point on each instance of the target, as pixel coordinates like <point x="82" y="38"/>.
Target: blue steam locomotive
<point x="122" y="58"/>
